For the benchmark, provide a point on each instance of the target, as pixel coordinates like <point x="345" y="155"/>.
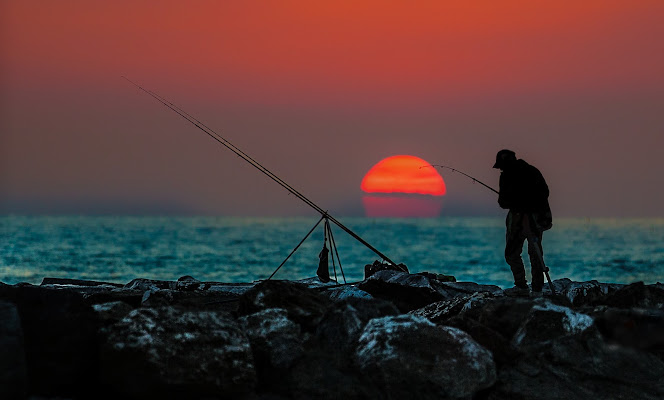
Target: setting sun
<point x="403" y="174"/>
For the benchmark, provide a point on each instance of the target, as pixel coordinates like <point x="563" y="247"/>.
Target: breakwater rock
<point x="395" y="335"/>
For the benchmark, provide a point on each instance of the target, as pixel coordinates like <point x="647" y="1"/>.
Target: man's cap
<point x="502" y="156"/>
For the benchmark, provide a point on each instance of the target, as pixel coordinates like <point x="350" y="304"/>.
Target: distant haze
<point x="319" y="92"/>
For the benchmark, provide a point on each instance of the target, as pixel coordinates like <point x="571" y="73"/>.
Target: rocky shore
<point x="393" y="336"/>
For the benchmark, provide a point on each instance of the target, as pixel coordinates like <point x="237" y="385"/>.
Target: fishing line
<point x="236" y="150"/>
<point x="464" y="174"/>
<point x="224" y="142"/>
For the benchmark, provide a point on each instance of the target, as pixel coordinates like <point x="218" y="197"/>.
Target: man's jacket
<point x="524" y="190"/>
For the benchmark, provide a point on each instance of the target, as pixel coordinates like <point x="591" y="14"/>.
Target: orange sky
<point x="323" y="90"/>
<point x="349" y="51"/>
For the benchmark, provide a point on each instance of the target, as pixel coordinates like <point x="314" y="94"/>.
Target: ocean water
<point x="230" y="249"/>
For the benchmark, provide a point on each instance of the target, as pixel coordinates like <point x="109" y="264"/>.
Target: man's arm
<point x="542" y="187"/>
<point x="504" y="200"/>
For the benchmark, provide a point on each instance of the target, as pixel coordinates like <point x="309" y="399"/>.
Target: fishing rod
<point x="464" y="174"/>
<point x="238" y="152"/>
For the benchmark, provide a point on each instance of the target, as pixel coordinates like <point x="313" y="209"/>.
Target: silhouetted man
<point x="525" y="193"/>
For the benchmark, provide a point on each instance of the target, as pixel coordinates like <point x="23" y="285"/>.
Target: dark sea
<point x="231" y="249"/>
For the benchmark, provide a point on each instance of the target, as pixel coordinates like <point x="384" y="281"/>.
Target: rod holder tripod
<point x="323" y="271"/>
<point x="329" y="239"/>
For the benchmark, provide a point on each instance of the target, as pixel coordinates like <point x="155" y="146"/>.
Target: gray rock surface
<point x="413" y="291"/>
<point x="442" y="311"/>
<point x="169" y="352"/>
<point x="581" y="366"/>
<point x="547" y="322"/>
<point x="582" y="293"/>
<point x="406" y="291"/>
<point x="304" y="340"/>
<point x="110" y="313"/>
<point x="305" y="306"/>
<point x="411" y="357"/>
<point x="274" y="337"/>
<point x="150" y="284"/>
<point x="344" y="321"/>
<point x="345" y="292"/>
<point x="276" y="342"/>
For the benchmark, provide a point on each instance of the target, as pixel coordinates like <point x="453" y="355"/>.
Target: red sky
<point x="319" y="91"/>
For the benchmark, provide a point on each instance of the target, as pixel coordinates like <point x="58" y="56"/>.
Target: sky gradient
<point x="319" y="92"/>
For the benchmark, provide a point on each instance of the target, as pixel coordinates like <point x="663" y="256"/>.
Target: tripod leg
<point x="296" y="247"/>
<point x="328" y="238"/>
<point x="336" y="252"/>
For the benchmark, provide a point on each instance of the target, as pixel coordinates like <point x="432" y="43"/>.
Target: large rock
<point x="13" y="370"/>
<point x="77" y="282"/>
<point x="327" y="370"/>
<point x="465" y="312"/>
<point x="185" y="292"/>
<point x="190" y="299"/>
<point x="413" y="291"/>
<point x="112" y="312"/>
<point x="276" y="343"/>
<point x="189" y="283"/>
<point x="491" y="321"/>
<point x="273" y="336"/>
<point x="495" y="342"/>
<point x="504" y="315"/>
<point x="110" y="294"/>
<point x="546" y="322"/>
<point x="562" y="355"/>
<point x="410" y="357"/>
<point x="319" y="375"/>
<point x="582" y="293"/>
<point x="578" y="294"/>
<point x="637" y="328"/>
<point x="581" y="366"/>
<point x="343" y="323"/>
<point x="345" y="292"/>
<point x="60" y="339"/>
<point x="143" y="284"/>
<point x="171" y="353"/>
<point x="305" y="306"/>
<point x="592" y="293"/>
<point x="637" y="295"/>
<point x="442" y="311"/>
<point x="453" y="289"/>
<point x="94" y="292"/>
<point x="229" y="289"/>
<point x="406" y="291"/>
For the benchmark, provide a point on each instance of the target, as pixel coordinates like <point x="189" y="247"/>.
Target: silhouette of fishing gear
<point x="329" y="239"/>
<point x="533" y="239"/>
<point x="462" y="173"/>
